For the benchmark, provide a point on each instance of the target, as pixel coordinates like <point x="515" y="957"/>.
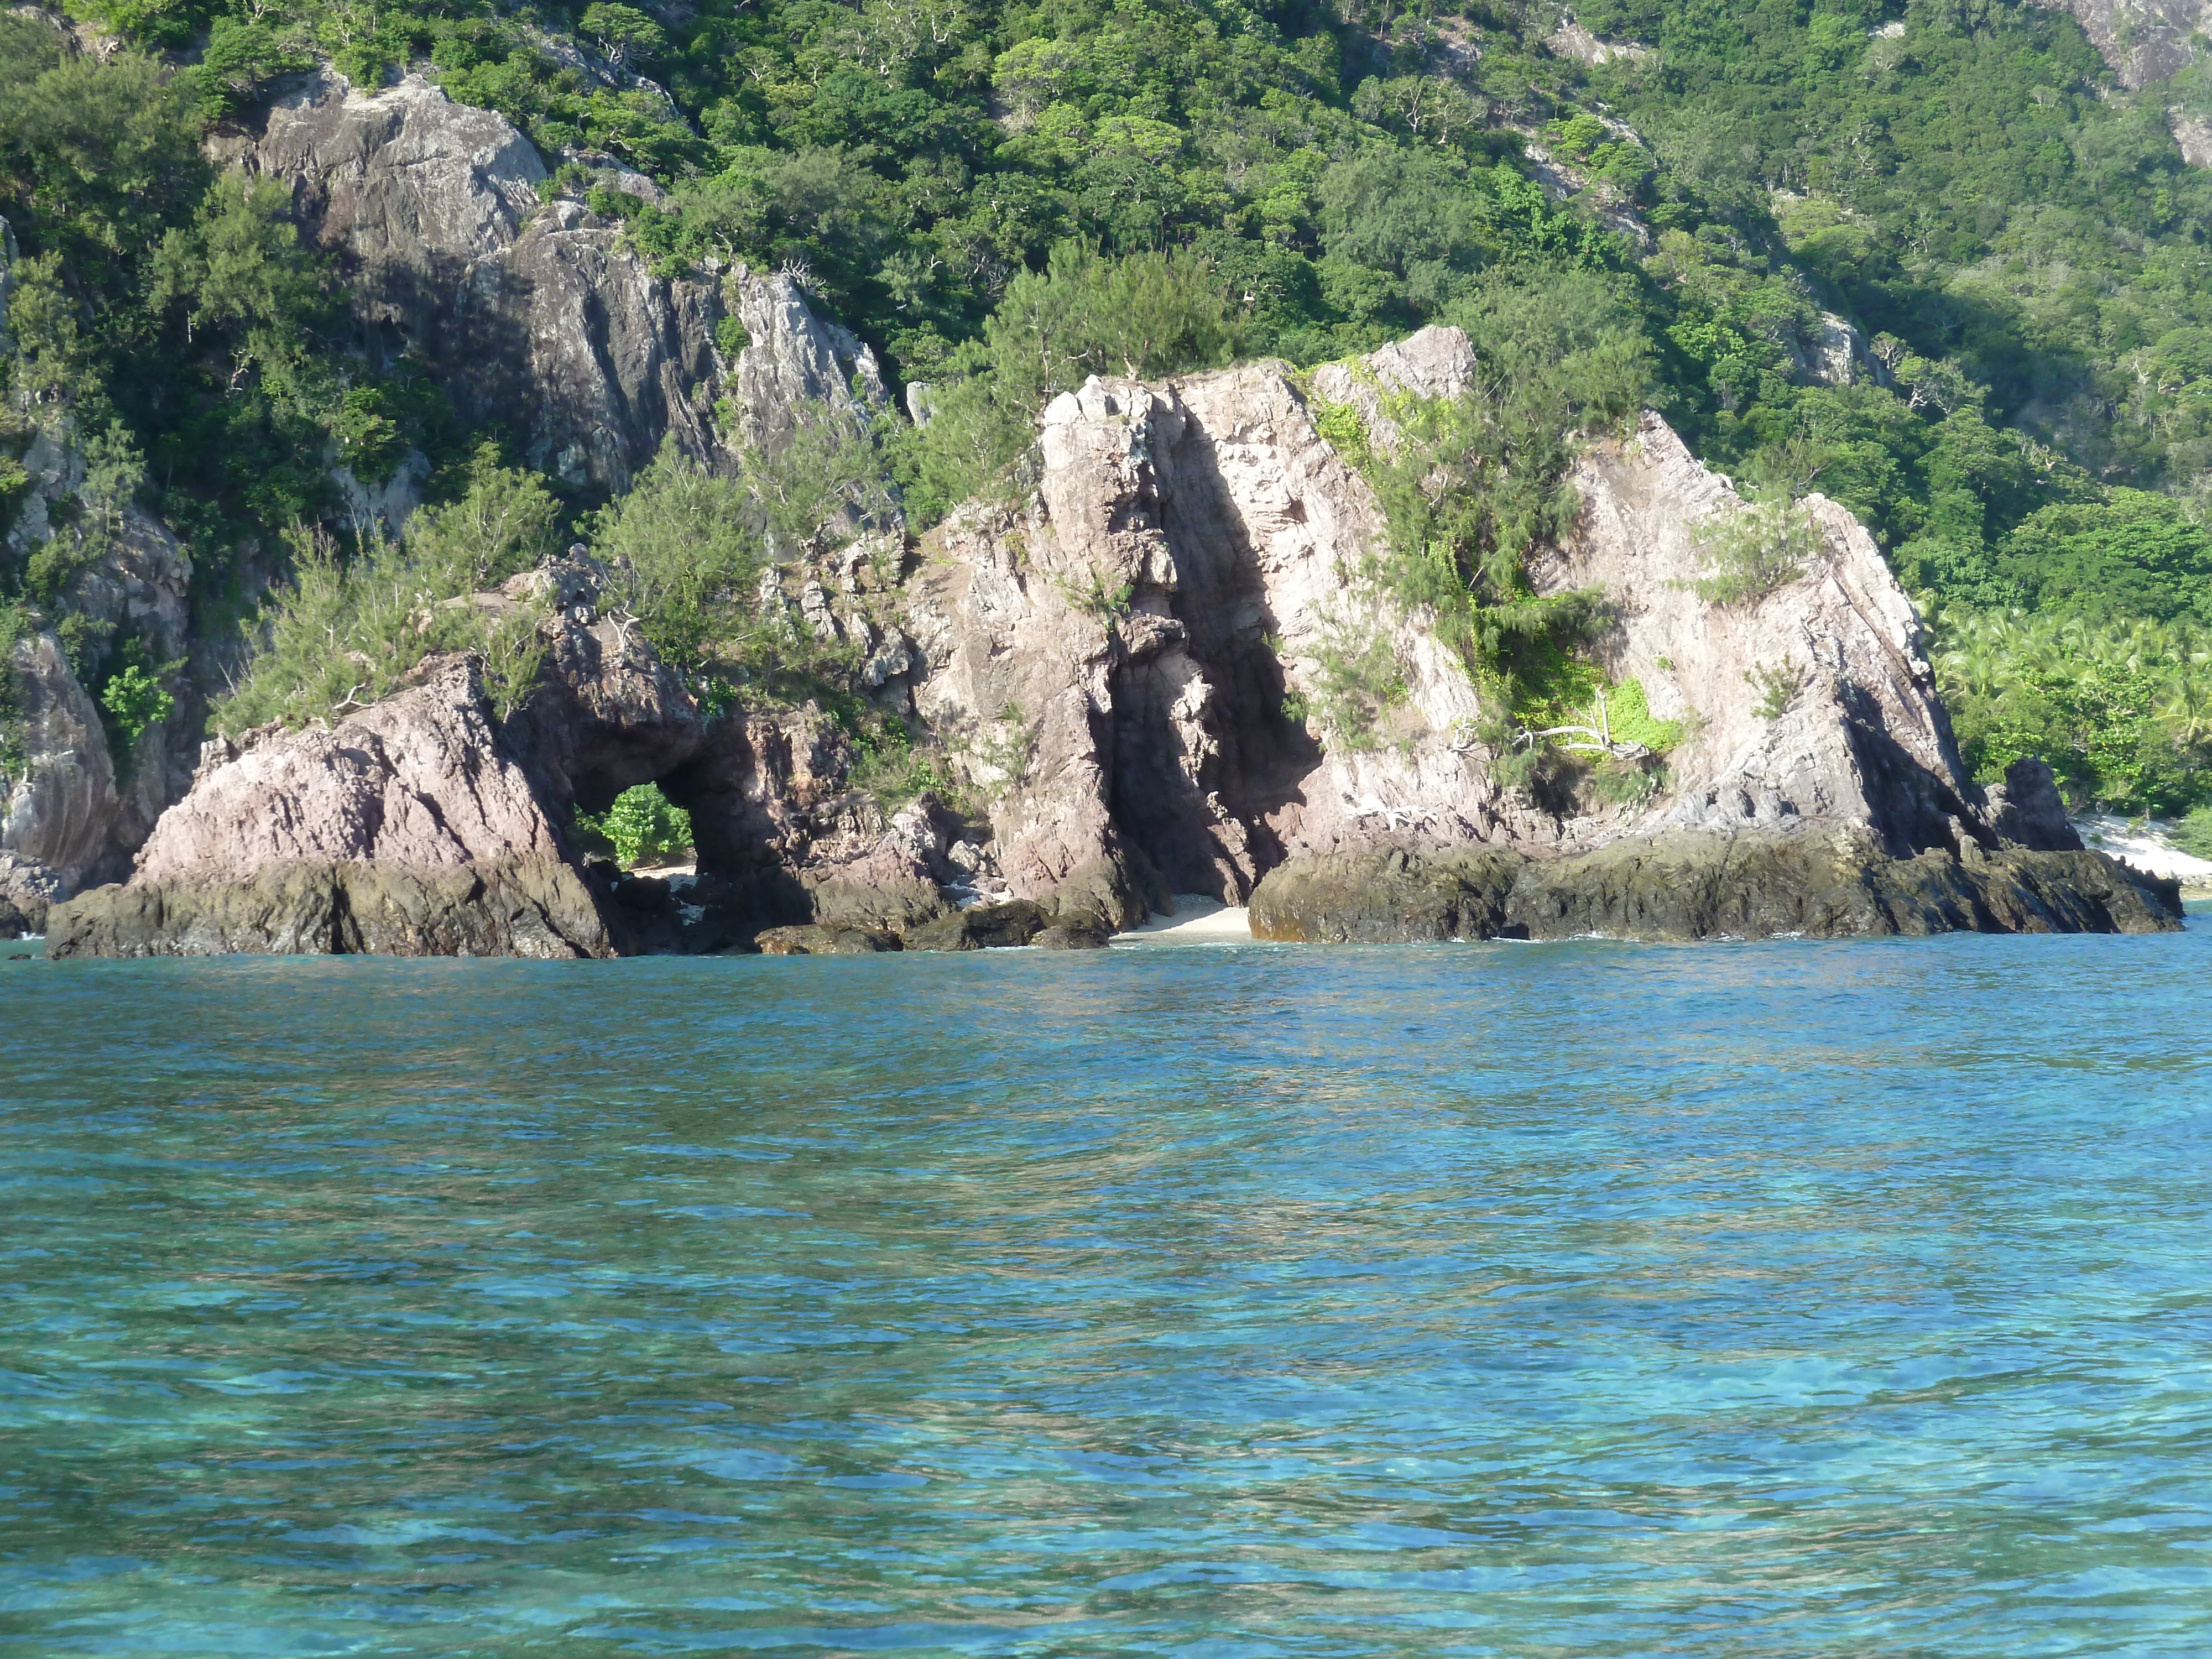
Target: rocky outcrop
<point x="1835" y="354"/>
<point x="29" y="890"/>
<point x="607" y="712"/>
<point x="2192" y="135"/>
<point x="1860" y="736"/>
<point x="410" y="189"/>
<point x="139" y="584"/>
<point x="1172" y="669"/>
<point x="2143" y="40"/>
<point x="61" y="806"/>
<point x="1138" y="670"/>
<point x="575" y="339"/>
<point x="1827" y="883"/>
<point x="1113" y="666"/>
<point x="1681" y="884"/>
<point x="985" y="928"/>
<point x="406" y="830"/>
<point x="502" y="909"/>
<point x="807" y="940"/>
<point x="534" y="314"/>
<point x="2026" y="809"/>
<point x="793" y="364"/>
<point x="1571" y="40"/>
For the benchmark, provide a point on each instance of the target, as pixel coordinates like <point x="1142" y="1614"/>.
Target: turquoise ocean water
<point x="1760" y="1300"/>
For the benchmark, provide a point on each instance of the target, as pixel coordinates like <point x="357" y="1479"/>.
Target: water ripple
<point x="1743" y="1302"/>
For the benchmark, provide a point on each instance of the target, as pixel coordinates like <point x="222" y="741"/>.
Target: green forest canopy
<point x="2021" y="243"/>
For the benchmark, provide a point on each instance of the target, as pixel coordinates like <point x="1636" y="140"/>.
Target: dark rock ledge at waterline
<point x="1110" y="756"/>
<point x="1692" y="885"/>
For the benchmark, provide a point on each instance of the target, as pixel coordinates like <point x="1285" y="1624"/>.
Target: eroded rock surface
<point x="2143" y="40"/>
<point x="81" y="806"/>
<point x="534" y="314"/>
<point x="794" y="361"/>
<point x="608" y="713"/>
<point x="27" y="890"/>
<point x="1863" y="739"/>
<point x="61" y="806"/>
<point x="1113" y="667"/>
<point x="406" y="830"/>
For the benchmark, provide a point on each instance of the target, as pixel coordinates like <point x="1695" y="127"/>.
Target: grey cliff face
<point x="142" y="582"/>
<point x="528" y="310"/>
<point x="410" y="187"/>
<point x="2143" y="40"/>
<point x="601" y="356"/>
<point x="79" y="808"/>
<point x="61" y="808"/>
<point x="794" y="361"/>
<point x="533" y="312"/>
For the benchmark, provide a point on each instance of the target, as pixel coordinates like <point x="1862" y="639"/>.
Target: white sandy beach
<point x="2146" y="843"/>
<point x="1198" y="921"/>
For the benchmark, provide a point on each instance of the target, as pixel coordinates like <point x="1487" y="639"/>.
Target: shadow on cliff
<point x="1210" y="833"/>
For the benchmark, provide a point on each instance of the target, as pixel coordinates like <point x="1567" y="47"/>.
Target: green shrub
<point x="1357" y="679"/>
<point x="1777" y="687"/>
<point x="684" y="548"/>
<point x="1753" y="552"/>
<point x="1622" y="783"/>
<point x="1629" y="717"/>
<point x="2193" y="835"/>
<point x="1473" y="486"/>
<point x="1346" y="430"/>
<point x="1093" y="598"/>
<point x="15" y="626"/>
<point x="1573" y="707"/>
<point x="346" y="631"/>
<point x="641" y="828"/>
<point x="1086" y="313"/>
<point x="506" y="521"/>
<point x="894" y="769"/>
<point x="134" y="700"/>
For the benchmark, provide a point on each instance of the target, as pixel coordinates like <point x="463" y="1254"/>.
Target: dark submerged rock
<point x="1694" y="885"/>
<point x="1079" y="935"/>
<point x="1387" y="895"/>
<point x="2026" y="809"/>
<point x="985" y="928"/>
<point x="819" y="941"/>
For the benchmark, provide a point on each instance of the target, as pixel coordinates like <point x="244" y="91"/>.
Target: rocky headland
<point x="1134" y="672"/>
